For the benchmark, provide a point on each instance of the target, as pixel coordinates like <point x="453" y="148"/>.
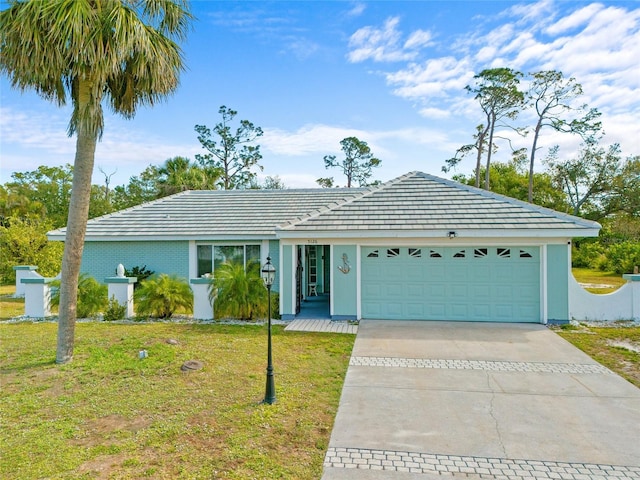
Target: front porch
<point x="322" y="325"/>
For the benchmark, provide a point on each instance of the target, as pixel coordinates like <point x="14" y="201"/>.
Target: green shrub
<point x="162" y="296"/>
<point x="275" y="305"/>
<point x="622" y="257"/>
<point x="115" y="310"/>
<point x="139" y="272"/>
<point x="619" y="257"/>
<point x="24" y="242"/>
<point x="92" y="296"/>
<point x="588" y="255"/>
<point x="239" y="292"/>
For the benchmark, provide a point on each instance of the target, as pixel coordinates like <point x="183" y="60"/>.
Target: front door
<point x="298" y="279"/>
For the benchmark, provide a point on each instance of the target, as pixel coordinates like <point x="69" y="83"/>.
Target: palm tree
<point x="121" y="52"/>
<point x="179" y="174"/>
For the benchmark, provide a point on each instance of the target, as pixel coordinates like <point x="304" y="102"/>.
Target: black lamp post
<point x="268" y="277"/>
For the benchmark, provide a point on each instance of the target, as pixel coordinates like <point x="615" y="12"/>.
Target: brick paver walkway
<point x="571" y="368"/>
<point x="311" y="325"/>
<point x="478" y="467"/>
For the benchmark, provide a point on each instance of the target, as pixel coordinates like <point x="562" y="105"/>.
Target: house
<point x="417" y="247"/>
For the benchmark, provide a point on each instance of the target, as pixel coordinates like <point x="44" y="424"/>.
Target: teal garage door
<point x="490" y="284"/>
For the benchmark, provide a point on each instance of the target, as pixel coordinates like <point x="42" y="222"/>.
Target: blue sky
<point x="390" y="73"/>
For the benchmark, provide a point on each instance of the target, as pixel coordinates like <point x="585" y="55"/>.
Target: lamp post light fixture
<point x="268" y="277"/>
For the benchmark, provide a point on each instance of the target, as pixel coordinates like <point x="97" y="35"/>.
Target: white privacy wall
<point x="623" y="304"/>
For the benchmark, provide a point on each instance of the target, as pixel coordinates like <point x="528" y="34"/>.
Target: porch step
<point x="331" y="326"/>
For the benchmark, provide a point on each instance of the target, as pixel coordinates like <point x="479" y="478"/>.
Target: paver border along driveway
<point x="480" y="400"/>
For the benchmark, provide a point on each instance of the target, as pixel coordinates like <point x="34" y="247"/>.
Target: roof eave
<point x="150" y="238"/>
<point x="442" y="233"/>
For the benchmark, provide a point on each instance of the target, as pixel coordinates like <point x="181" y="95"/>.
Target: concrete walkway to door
<point x="427" y="400"/>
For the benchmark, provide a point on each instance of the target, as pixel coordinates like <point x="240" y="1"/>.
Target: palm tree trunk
<point x="74" y="242"/>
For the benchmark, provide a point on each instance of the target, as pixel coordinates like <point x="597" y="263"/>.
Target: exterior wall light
<point x="452" y="234"/>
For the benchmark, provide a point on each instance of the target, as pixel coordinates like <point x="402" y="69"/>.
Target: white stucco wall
<point x="623" y="304"/>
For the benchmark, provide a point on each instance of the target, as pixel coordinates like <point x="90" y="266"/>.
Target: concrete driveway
<point x="444" y="400"/>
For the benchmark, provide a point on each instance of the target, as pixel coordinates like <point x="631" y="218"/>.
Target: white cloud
<point x="36" y="138"/>
<point x="436" y="113"/>
<point x="299" y="180"/>
<point x="486" y="53"/>
<point x="384" y="44"/>
<point x="49" y="134"/>
<point x="434" y="78"/>
<point x="320" y="140"/>
<point x="598" y="44"/>
<point x="357" y="9"/>
<point x="419" y="38"/>
<point x="309" y="139"/>
<point x="540" y="12"/>
<point x="377" y="44"/>
<point x="301" y="48"/>
<point x="575" y="20"/>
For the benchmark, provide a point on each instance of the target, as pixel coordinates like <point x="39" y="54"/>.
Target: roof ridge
<point x="272" y="190"/>
<point x="333" y="205"/>
<point x="512" y="201"/>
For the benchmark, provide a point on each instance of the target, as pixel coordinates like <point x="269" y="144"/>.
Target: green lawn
<point x="109" y="414"/>
<point x="10" y="307"/>
<point x="598" y="280"/>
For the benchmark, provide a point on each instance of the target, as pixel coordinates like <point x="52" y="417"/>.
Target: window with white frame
<point x="210" y="257"/>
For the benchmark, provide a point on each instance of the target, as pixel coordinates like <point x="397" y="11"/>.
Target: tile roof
<point x="420" y="202"/>
<point x="196" y="214"/>
<point x="413" y="204"/>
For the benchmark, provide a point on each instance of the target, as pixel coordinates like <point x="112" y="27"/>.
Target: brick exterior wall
<point x="100" y="259"/>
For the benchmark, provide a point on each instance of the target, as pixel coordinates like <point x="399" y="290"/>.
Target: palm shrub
<point x="92" y="296"/>
<point x="161" y="296"/>
<point x="238" y="292"/>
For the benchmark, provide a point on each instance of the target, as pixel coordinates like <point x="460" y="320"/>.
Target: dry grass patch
<point x="112" y="415"/>
<point x="616" y="347"/>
